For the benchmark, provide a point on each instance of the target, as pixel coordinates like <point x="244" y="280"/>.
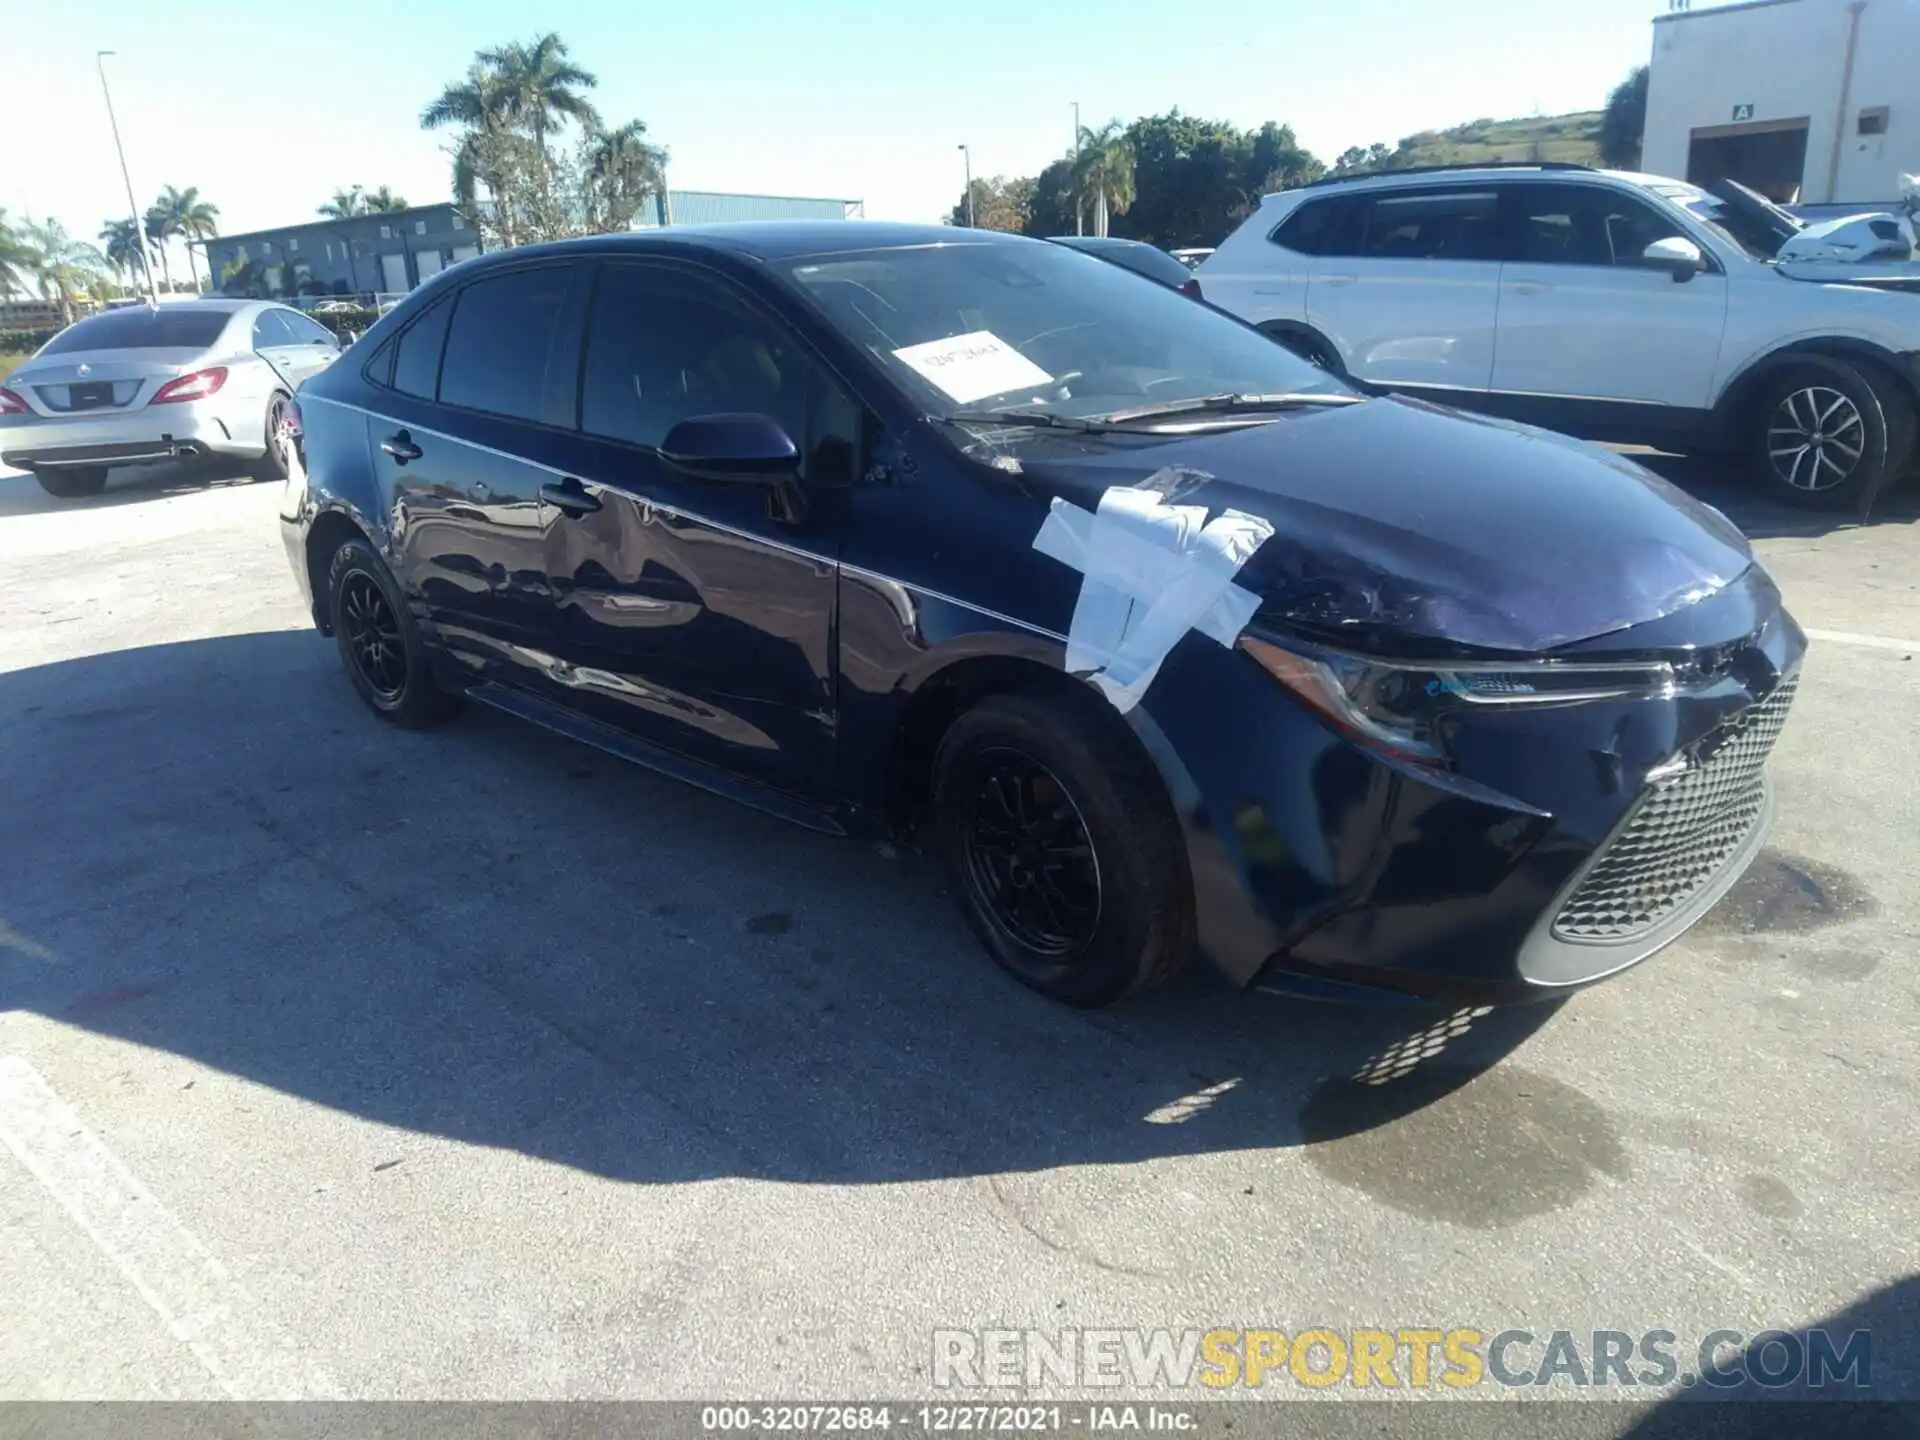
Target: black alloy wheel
<point x="373" y="639"/>
<point x="1031" y="865"/>
<point x="1062" y="845"/>
<point x="378" y="641"/>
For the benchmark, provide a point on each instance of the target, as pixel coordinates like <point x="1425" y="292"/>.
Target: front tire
<point x="379" y="643"/>
<point x="1830" y="433"/>
<point x="1063" y="848"/>
<point x="73" y="482"/>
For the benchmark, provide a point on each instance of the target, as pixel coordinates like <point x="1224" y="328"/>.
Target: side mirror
<point x="1676" y="255"/>
<point x="748" y="449"/>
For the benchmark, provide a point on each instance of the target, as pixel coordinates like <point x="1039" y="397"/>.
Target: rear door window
<point x="1310" y="230"/>
<point x="416" y="360"/>
<point x="1424" y="224"/>
<point x="500" y="352"/>
<point x="139" y="328"/>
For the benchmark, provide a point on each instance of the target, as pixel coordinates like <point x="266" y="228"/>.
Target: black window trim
<point x="1337" y="204"/>
<point x="754" y="305"/>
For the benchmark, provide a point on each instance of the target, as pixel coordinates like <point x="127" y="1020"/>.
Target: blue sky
<point x="267" y="108"/>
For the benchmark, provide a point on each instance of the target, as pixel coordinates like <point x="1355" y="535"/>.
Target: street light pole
<point x="133" y="206"/>
<point x="968" y="156"/>
<point x="1078" y="208"/>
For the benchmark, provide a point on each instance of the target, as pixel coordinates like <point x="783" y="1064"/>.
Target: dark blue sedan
<point x="1168" y="642"/>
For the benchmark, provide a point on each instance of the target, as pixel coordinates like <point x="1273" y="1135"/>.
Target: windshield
<point x="1040" y="327"/>
<point x="142" y="329"/>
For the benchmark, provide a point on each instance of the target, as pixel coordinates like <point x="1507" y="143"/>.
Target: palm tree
<point x="477" y="103"/>
<point x="622" y="170"/>
<point x="16" y="258"/>
<point x="345" y="204"/>
<point x="63" y="266"/>
<point x="382" y="202"/>
<point x="123" y="248"/>
<point x="539" y="86"/>
<point x="1103" y="170"/>
<point x="192" y="219"/>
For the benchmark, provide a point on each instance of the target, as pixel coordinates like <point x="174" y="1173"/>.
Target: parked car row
<point x="1168" y="641"/>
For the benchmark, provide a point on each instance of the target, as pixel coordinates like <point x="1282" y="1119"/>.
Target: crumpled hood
<point x="1399" y="521"/>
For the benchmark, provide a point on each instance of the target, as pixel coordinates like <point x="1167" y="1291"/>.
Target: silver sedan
<point x="144" y="384"/>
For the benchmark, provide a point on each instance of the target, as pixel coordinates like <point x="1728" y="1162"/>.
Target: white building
<point x="1809" y="100"/>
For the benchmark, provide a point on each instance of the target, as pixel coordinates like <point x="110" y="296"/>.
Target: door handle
<point x="1530" y="287"/>
<point x="1336" y="279"/>
<point x="569" y="497"/>
<point x="401" y="447"/>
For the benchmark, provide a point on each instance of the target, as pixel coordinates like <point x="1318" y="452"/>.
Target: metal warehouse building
<point x="390" y="253"/>
<point x="1810" y="100"/>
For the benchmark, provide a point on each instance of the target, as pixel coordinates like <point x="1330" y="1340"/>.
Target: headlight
<point x="1395" y="705"/>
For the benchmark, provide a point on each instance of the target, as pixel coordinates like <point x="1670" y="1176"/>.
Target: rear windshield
<point x="142" y="329"/>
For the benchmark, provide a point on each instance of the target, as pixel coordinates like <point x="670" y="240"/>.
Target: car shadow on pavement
<point x="487" y="933"/>
<point x="1726" y="487"/>
<point x="20" y="494"/>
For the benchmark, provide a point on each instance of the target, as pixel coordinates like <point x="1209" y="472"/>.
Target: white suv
<point x="1612" y="306"/>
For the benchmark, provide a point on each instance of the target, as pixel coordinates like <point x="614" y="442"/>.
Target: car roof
<point x="1427" y="175"/>
<point x="767" y="239"/>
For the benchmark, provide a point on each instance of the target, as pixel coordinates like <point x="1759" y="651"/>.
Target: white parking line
<point x="1872" y="642"/>
<point x="204" y="1307"/>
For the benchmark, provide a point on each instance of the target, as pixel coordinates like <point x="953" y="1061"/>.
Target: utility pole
<point x="133" y="206"/>
<point x="968" y="157"/>
<point x="1078" y="208"/>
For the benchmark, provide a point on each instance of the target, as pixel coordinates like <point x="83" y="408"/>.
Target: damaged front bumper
<point x="1560" y="844"/>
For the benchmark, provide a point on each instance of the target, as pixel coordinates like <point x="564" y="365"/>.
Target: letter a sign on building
<point x="1742" y="112"/>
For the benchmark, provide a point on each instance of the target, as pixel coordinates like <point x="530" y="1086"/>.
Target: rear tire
<point x="73" y="482"/>
<point x="1829" y="434"/>
<point x="379" y="643"/>
<point x="1022" y="786"/>
<point x="273" y="464"/>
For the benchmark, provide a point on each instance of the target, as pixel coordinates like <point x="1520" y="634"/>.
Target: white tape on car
<point x="1152" y="571"/>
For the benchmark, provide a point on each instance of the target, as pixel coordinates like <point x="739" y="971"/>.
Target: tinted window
<point x="501" y="340"/>
<point x="305" y="331"/>
<point x="270" y="328"/>
<point x="1423" y="225"/>
<point x="139" y="328"/>
<point x="1308" y="230"/>
<point x="663" y="345"/>
<point x="416" y="363"/>
<point x="1583" y="225"/>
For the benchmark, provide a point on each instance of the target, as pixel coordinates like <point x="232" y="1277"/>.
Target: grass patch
<point x="11" y="360"/>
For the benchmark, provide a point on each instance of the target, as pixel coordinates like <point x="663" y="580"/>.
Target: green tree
<point x="620" y="171"/>
<point x="998" y="204"/>
<point x="382" y="202"/>
<point x="345" y="204"/>
<point x="122" y="242"/>
<point x="185" y="214"/>
<point x="1103" y="172"/>
<point x="1189" y="175"/>
<point x="61" y="266"/>
<point x="1624" y="121"/>
<point x="16" y="258"/>
<point x="1050" y="211"/>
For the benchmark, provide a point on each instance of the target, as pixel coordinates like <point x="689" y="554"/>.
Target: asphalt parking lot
<point x="336" y="1061"/>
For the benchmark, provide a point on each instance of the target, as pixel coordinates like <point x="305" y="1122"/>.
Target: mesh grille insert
<point x="1680" y="835"/>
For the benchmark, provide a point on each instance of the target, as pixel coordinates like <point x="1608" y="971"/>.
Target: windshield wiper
<point x="1046" y="419"/>
<point x="1228" y="404"/>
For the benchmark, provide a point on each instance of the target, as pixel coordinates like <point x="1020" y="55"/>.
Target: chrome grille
<point x="1680" y="836"/>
